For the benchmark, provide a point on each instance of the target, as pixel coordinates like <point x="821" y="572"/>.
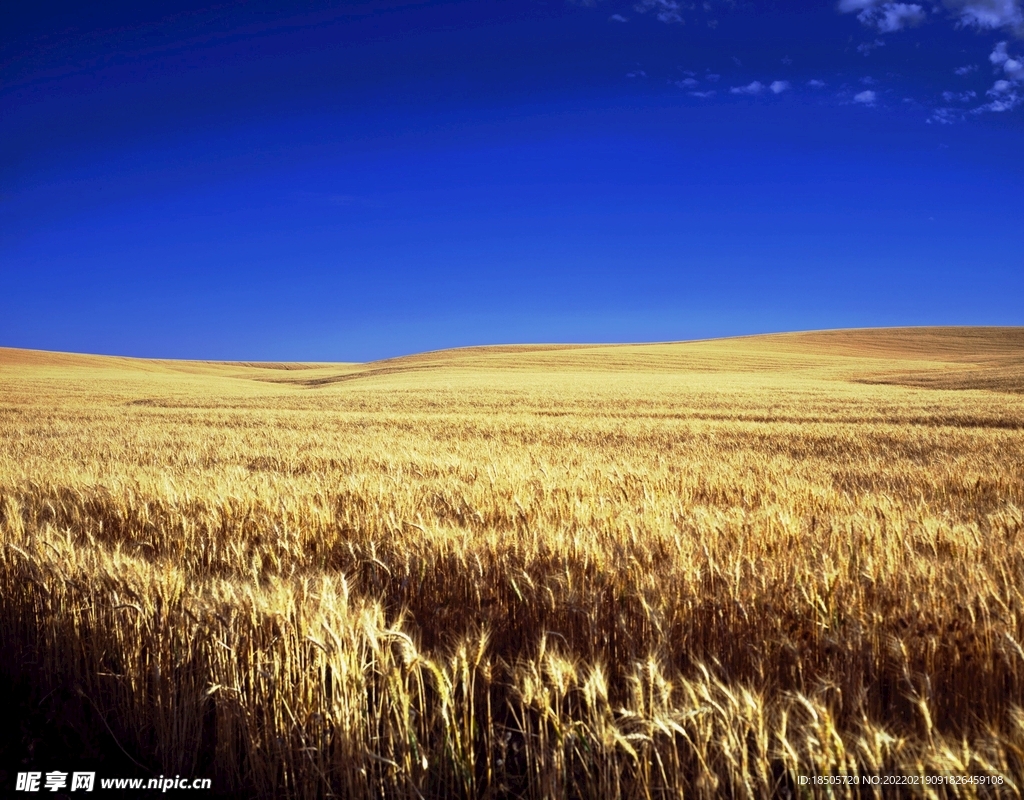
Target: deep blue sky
<point x="358" y="180"/>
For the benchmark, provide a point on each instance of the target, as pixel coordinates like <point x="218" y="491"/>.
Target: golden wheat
<point x="703" y="569"/>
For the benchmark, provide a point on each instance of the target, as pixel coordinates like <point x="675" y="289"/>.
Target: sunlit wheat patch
<point x="700" y="570"/>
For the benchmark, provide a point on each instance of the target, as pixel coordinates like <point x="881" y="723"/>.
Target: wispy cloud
<point x="989" y="14"/>
<point x="1006" y="93"/>
<point x="665" y="10"/>
<point x="945" y="116"/>
<point x="886" y="17"/>
<point x="959" y="97"/>
<point x="1013" y="67"/>
<point x="866" y="47"/>
<point x="1005" y="97"/>
<point x="892" y="17"/>
<point x="754" y="87"/>
<point x="889" y="17"/>
<point x="883" y="19"/>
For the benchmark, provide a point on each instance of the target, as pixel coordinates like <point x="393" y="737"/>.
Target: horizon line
<point x="519" y="345"/>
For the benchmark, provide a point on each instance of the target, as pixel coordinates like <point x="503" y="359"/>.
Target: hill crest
<point x="928" y="357"/>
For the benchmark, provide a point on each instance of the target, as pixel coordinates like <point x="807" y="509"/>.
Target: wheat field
<point x="699" y="569"/>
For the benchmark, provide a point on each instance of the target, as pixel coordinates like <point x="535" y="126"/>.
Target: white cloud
<point x="897" y="16"/>
<point x="945" y="116"/>
<point x="664" y="10"/>
<point x="999" y="56"/>
<point x="1000" y="104"/>
<point x="1013" y="67"/>
<point x="965" y="70"/>
<point x="617" y="18"/>
<point x="867" y="97"/>
<point x="1005" y="97"/>
<point x="754" y="87"/>
<point x="989" y="14"/>
<point x="1006" y="93"/>
<point x="867" y="80"/>
<point x="867" y="47"/>
<point x="887" y="17"/>
<point x="712" y="77"/>
<point x="687" y="83"/>
<point x="962" y="97"/>
<point x="637" y="73"/>
<point x="709" y="93"/>
<point x="816" y="83"/>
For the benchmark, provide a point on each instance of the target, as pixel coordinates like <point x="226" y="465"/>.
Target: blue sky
<point x="359" y="180"/>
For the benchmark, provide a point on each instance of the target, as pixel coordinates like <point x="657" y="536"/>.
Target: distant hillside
<point x="937" y="358"/>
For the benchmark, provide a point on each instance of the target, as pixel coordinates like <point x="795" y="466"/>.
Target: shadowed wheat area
<point x="641" y="571"/>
